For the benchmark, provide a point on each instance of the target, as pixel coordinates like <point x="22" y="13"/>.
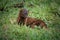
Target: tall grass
<point x="10" y="30"/>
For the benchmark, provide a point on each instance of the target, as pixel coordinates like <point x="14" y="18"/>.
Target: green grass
<point x="10" y="30"/>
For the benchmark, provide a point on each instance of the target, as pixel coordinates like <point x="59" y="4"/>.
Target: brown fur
<point x="22" y="18"/>
<point x="33" y="21"/>
<point x="22" y="15"/>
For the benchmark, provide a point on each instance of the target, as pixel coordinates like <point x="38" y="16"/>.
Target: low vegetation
<point x="46" y="10"/>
